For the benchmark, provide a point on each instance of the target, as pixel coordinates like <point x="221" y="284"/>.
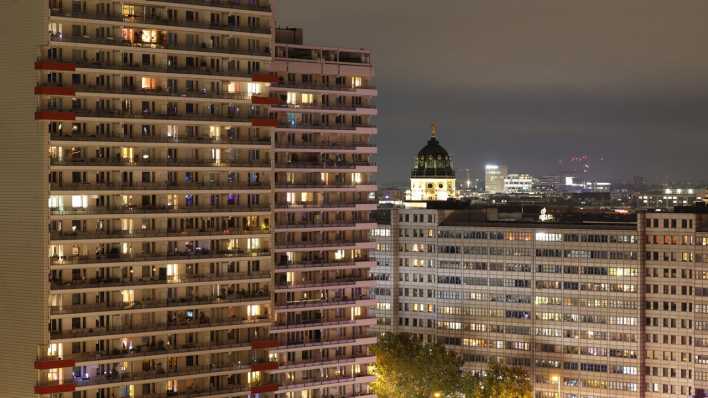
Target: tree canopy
<point x="407" y="368"/>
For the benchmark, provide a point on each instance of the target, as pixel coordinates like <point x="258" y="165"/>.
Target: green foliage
<point x="406" y="368"/>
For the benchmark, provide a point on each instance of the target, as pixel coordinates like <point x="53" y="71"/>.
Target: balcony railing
<point x="316" y="225"/>
<point x="81" y="235"/>
<point x="147" y="351"/>
<point x="158" y="374"/>
<point x="322" y="263"/>
<point x="294" y="245"/>
<point x="251" y="5"/>
<point x="124" y="282"/>
<point x="199" y="117"/>
<point x="319" y="303"/>
<point x="318" y="86"/>
<point x="156" y="304"/>
<point x="265" y="52"/>
<point x="188" y="70"/>
<point x="328" y="107"/>
<point x="317" y="323"/>
<point x="322" y="205"/>
<point x="141" y="162"/>
<point x="323" y="284"/>
<point x="333" y="146"/>
<point x="159" y="210"/>
<point x="156" y="327"/>
<point x="160" y="92"/>
<point x="159" y="140"/>
<point x="309" y="126"/>
<point x="323" y="165"/>
<point x="156" y="186"/>
<point x="144" y="19"/>
<point x="197" y="255"/>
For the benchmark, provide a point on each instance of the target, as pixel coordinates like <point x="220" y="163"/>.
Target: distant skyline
<point x="529" y="83"/>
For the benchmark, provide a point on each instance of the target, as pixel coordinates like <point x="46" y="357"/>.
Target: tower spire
<point x="434" y="133"/>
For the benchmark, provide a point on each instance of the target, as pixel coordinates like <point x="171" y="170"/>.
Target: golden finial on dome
<point x="435" y="130"/>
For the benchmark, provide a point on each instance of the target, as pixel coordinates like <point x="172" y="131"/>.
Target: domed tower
<point x="433" y="177"/>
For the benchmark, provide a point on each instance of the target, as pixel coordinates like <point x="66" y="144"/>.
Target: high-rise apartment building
<point x="187" y="203"/>
<point x="589" y="306"/>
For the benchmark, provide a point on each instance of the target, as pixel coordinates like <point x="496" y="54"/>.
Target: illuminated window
<point x="149" y="36"/>
<point x="356" y="81"/>
<point x="339" y="254"/>
<point x="128" y="296"/>
<point x="172" y="272"/>
<point x="55" y="202"/>
<point x="356" y="178"/>
<point x="148" y="83"/>
<point x="307" y="98"/>
<point x="254" y="377"/>
<point x="292" y="98"/>
<point x="254" y="88"/>
<point x="172" y="131"/>
<point x="128" y="10"/>
<point x="253" y="310"/>
<point x="232" y="87"/>
<point x="79" y="201"/>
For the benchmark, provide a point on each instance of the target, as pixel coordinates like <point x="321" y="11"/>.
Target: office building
<point x="494" y="176"/>
<point x="519" y="183"/>
<point x="187" y="204"/>
<point x="596" y="306"/>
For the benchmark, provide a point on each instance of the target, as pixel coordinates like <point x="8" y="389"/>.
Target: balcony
<point x="158" y="304"/>
<point x="137" y="139"/>
<point x="324" y="187"/>
<point x="169" y="116"/>
<point x="232" y="4"/>
<point x="323" y="285"/>
<point x="298" y="385"/>
<point x="159" y="328"/>
<point x="334" y="146"/>
<point x="167" y="94"/>
<point x="336" y="302"/>
<point x="282" y="246"/>
<point x="160" y="374"/>
<point x="319" y="324"/>
<point x="321" y="206"/>
<point x="153" y="163"/>
<point x="363" y="109"/>
<point x="196" y="255"/>
<point x="139" y="187"/>
<point x="166" y="211"/>
<point x="314" y="264"/>
<point x="325" y="165"/>
<point x="107" y="284"/>
<point x="148" y="352"/>
<point x="340" y="360"/>
<point x="167" y="69"/>
<point x="333" y="127"/>
<point x="148" y="20"/>
<point x="151" y="234"/>
<point x="119" y="42"/>
<point x="283" y="86"/>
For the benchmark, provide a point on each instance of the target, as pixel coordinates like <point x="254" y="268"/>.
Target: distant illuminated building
<point x="433" y="177"/>
<point x="494" y="178"/>
<point x="519" y="183"/>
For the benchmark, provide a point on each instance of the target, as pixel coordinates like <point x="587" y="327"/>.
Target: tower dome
<point x="433" y="160"/>
<point x="432" y="177"/>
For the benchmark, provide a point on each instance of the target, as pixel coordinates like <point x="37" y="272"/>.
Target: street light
<point x="557" y="379"/>
<point x="437" y="394"/>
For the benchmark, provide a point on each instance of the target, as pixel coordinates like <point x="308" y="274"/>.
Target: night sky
<point x="528" y="83"/>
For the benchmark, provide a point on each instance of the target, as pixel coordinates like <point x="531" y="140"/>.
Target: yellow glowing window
<point x="148" y="36"/>
<point x="128" y="296"/>
<point x="232" y="87"/>
<point x="307" y="98"/>
<point x="128" y="10"/>
<point x="254" y="88"/>
<point x="254" y="377"/>
<point x="356" y="81"/>
<point x="292" y="98"/>
<point x="79" y="201"/>
<point x="356" y="178"/>
<point x="148" y="83"/>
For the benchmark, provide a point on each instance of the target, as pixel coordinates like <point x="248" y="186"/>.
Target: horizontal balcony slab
<point x="154" y="212"/>
<point x="155" y="306"/>
<point x="115" y="284"/>
<point x="325" y="188"/>
<point x="329" y="383"/>
<point x="148" y="236"/>
<point x="326" y="344"/>
<point x="140" y="141"/>
<point x="307" y="326"/>
<point x="323" y="305"/>
<point x="104" y="189"/>
<point x="329" y="285"/>
<point x="314" y="266"/>
<point x="156" y="329"/>
<point x="176" y="258"/>
<point x="364" y="91"/>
